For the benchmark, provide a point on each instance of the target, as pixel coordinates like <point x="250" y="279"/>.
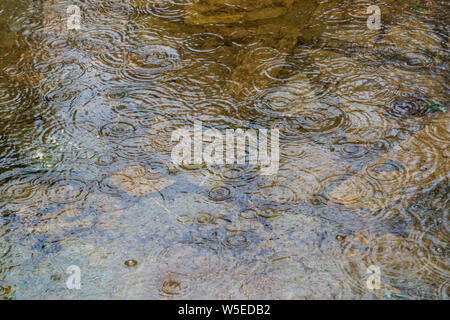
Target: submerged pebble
<point x="131" y="263"/>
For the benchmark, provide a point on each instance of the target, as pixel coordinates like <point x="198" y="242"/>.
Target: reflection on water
<point x="86" y="119"/>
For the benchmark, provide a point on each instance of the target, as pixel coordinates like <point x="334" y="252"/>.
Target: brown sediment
<point x="410" y="167"/>
<point x="205" y="12"/>
<point x="137" y="180"/>
<point x="234" y="21"/>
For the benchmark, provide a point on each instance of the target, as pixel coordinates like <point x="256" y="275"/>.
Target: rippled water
<point x="87" y="177"/>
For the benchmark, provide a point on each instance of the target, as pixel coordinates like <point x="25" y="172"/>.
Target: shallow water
<point x="86" y="170"/>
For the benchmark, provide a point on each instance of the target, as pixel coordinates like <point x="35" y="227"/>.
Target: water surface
<point x="86" y="118"/>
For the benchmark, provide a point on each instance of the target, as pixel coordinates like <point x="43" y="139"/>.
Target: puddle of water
<point x="87" y="177"/>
